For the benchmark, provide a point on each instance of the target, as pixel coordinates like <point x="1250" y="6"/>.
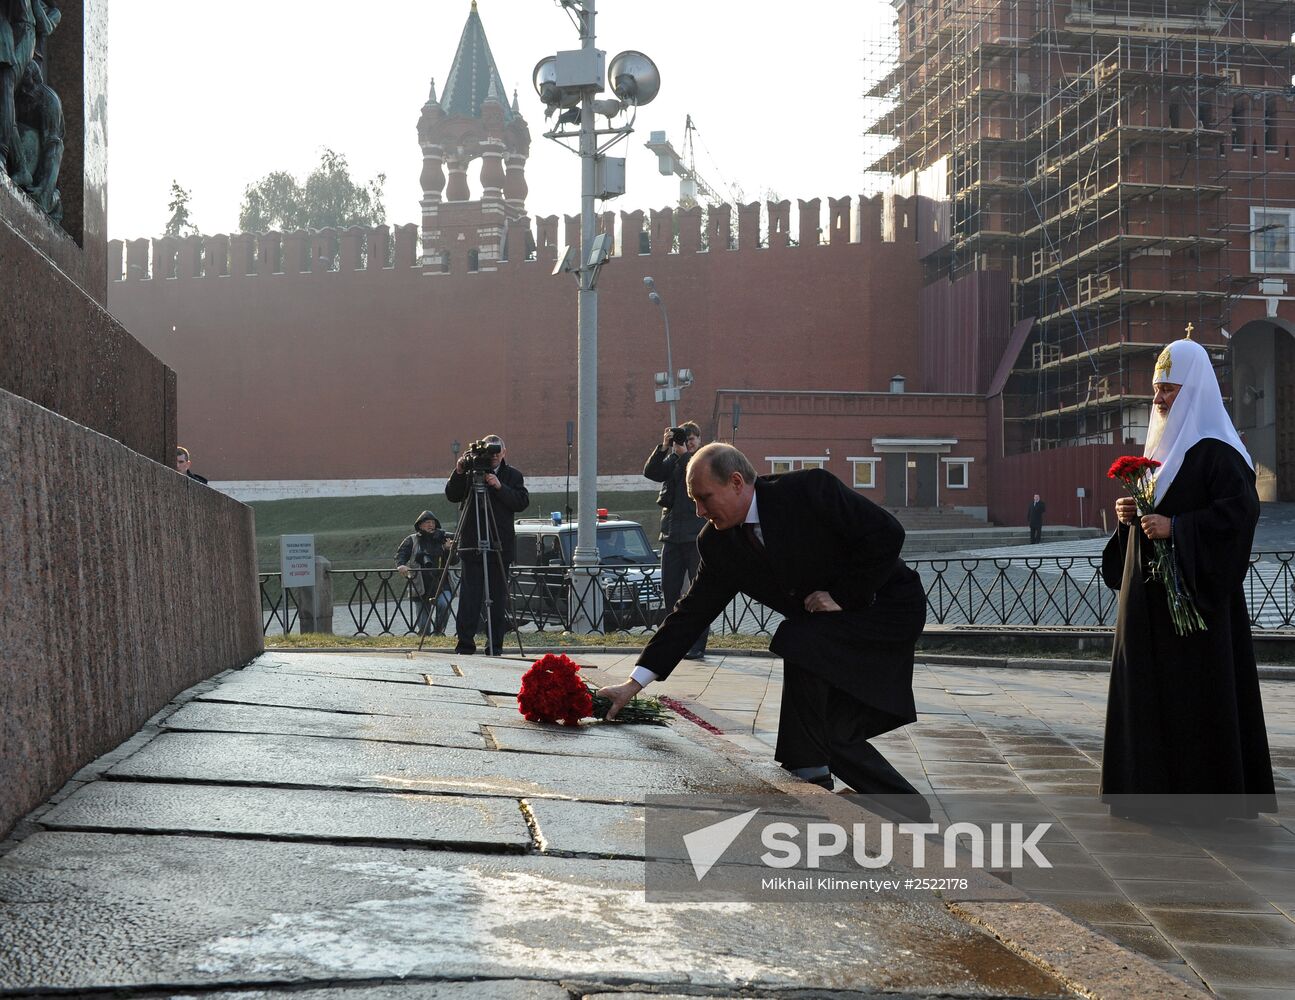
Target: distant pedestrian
<point x="421" y="560"/>
<point x="1035" y="518"/>
<point x="183" y="463"/>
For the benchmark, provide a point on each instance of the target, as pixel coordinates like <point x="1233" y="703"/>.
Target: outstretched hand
<point x="620" y="695"/>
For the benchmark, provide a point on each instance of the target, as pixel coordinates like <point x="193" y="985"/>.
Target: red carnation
<point x="552" y="691"/>
<point x="1131" y="467"/>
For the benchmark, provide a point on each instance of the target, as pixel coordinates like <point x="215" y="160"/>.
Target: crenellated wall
<point x="338" y="355"/>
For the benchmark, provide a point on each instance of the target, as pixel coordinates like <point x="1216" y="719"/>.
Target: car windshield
<point x="618" y="544"/>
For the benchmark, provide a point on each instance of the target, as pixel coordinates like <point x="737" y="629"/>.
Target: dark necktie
<point x="748" y="529"/>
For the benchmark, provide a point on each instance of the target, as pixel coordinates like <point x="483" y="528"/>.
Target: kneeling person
<point x="827" y="559"/>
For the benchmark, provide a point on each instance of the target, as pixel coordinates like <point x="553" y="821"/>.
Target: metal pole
<point x="585" y="558"/>
<point x="669" y="361"/>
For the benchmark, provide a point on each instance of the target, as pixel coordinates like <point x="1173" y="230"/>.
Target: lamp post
<point x="569" y="82"/>
<point x="455" y="447"/>
<point x="667" y="388"/>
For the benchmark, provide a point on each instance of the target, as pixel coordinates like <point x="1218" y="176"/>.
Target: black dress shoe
<point x="465" y="648"/>
<point x="699" y="654"/>
<point x="823" y="782"/>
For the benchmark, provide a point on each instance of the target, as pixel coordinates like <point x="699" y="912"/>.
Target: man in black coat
<point x="680" y="525"/>
<point x="1034" y="515"/>
<point x="828" y="560"/>
<point x="505" y="491"/>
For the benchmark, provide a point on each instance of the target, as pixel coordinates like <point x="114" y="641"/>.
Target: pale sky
<point x="216" y="95"/>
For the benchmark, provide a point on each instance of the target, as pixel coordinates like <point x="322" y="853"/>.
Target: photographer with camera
<point x="482" y="467"/>
<point x="668" y="465"/>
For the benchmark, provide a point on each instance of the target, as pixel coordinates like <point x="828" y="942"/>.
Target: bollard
<point x="315" y="604"/>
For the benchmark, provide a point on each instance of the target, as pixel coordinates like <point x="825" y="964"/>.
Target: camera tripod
<point x="487" y="546"/>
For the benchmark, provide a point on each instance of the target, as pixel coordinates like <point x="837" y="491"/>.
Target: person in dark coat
<point x="668" y="465"/>
<point x="1184" y="715"/>
<point x="827" y="559"/>
<point x="1035" y="518"/>
<point x="184" y="464"/>
<point x="421" y="560"/>
<point x="506" y="494"/>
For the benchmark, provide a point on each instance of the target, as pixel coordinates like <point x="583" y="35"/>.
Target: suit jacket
<point x="1035" y="513"/>
<point x="818" y="535"/>
<point x="511" y="498"/>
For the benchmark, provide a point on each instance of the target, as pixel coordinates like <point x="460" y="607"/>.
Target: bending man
<point x="828" y="560"/>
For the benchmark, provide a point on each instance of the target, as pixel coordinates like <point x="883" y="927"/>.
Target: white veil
<point x="1198" y="412"/>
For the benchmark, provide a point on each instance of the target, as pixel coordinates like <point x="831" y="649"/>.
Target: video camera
<point x="678" y="435"/>
<point x="479" y="456"/>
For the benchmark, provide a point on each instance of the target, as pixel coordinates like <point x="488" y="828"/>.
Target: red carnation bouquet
<point x="1135" y="473"/>
<point x="552" y="691"/>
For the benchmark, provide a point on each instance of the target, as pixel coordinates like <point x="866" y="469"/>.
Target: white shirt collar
<point x="753" y="512"/>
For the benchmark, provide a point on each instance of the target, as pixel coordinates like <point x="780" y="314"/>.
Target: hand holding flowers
<point x="1135" y="473"/>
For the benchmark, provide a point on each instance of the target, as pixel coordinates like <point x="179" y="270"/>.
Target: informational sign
<point x="297" y="560"/>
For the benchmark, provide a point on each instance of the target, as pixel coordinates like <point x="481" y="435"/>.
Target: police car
<point x="630" y="577"/>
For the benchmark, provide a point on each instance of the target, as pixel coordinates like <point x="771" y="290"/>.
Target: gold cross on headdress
<point x="1189" y="329"/>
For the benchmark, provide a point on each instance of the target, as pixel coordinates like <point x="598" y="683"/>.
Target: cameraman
<point x="506" y="492"/>
<point x="668" y="465"/>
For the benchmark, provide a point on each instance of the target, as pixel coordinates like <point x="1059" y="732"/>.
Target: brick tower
<point x="471" y="122"/>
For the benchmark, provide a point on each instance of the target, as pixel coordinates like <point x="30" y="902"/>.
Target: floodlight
<point x="634" y="78"/>
<point x="545" y="79"/>
<point x="567" y="262"/>
<point x="661" y="378"/>
<point x="599" y="250"/>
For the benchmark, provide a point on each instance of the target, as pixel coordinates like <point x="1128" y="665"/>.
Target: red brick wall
<point x="372" y="373"/>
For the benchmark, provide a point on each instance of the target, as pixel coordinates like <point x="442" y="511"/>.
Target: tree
<point x="179" y="224"/>
<point x="329" y="197"/>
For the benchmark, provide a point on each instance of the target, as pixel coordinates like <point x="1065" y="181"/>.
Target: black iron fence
<point x="1020" y="591"/>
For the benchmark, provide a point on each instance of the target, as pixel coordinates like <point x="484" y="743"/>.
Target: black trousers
<point x="472" y="596"/>
<point x="1036" y="533"/>
<point x="678" y="558"/>
<point x="822" y="724"/>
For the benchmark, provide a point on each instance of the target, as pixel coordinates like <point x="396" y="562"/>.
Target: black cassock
<point x="1184" y="714"/>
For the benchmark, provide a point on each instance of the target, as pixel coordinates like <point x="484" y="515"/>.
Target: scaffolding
<point x="1113" y="157"/>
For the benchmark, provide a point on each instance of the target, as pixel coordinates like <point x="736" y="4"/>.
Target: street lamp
<point x="454" y="450"/>
<point x="568" y="82"/>
<point x="667" y="388"/>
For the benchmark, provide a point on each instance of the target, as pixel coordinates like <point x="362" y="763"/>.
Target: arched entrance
<point x="1263" y="402"/>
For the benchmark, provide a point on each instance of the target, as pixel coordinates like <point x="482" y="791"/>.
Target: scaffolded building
<point x="1126" y="164"/>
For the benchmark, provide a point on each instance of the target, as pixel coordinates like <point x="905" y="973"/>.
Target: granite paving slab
<point x="81" y="911"/>
<point x="589" y="827"/>
<point x="417" y="670"/>
<point x="428" y="820"/>
<point x="357" y="665"/>
<point x="444" y="703"/>
<point x="461" y="728"/>
<point x="237" y="758"/>
<point x="490" y="989"/>
<point x="621" y="742"/>
<point x="252" y="683"/>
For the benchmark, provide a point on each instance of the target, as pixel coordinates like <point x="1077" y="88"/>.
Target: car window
<point x="621" y="543"/>
<point x="526" y="550"/>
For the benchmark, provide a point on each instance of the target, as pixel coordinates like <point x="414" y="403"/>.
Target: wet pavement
<point x="1215" y="907"/>
<point x="388" y="826"/>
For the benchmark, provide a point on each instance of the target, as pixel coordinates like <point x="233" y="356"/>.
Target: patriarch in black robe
<point x="1184" y="715"/>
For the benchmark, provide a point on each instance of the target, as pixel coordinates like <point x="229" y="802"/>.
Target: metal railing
<point x="1014" y="591"/>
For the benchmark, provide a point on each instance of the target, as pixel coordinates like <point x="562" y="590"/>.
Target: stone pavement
<point x="387" y="826"/>
<point x="1192" y="900"/>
